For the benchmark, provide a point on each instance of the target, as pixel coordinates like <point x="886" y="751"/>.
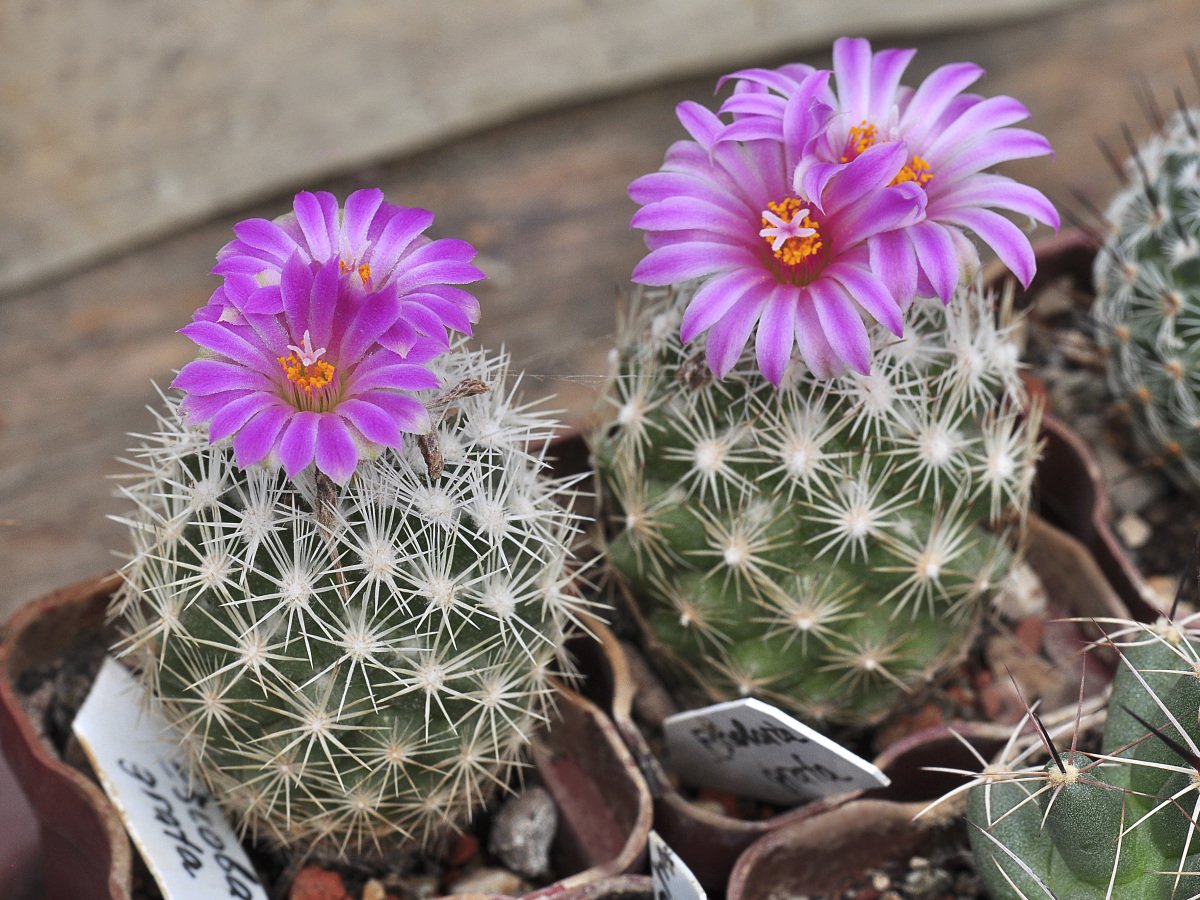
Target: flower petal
<point x="842" y="325"/>
<point x="1005" y="238"/>
<point x="692" y="259"/>
<point x="870" y="293"/>
<point x="257" y="437"/>
<point x="776" y="333"/>
<point x="374" y="423"/>
<point x="357" y="215"/>
<point x="237" y="412"/>
<point x="298" y="444"/>
<point x="312" y="215"/>
<point x="336" y="453"/>
<point x="937" y="257"/>
<point x="727" y="338"/>
<point x="716" y="297"/>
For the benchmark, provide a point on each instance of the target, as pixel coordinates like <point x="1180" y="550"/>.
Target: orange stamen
<point x="364" y="271"/>
<point x="865" y="135"/>
<point x="308" y="378"/>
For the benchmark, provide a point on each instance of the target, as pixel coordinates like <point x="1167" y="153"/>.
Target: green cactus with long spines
<point x="1121" y="822"/>
<point x="825" y="545"/>
<point x="1147" y="307"/>
<point x="361" y="667"/>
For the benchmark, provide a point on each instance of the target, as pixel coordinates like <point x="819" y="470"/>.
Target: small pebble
<point x="374" y="890"/>
<point x="1133" y="530"/>
<point x="317" y="883"/>
<point x="1162" y="589"/>
<point x="523" y="830"/>
<point x="1020" y="594"/>
<point x="880" y="881"/>
<point x="490" y="881"/>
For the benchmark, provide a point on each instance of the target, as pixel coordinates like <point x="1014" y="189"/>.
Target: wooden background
<point x="543" y="198"/>
<point x="125" y="117"/>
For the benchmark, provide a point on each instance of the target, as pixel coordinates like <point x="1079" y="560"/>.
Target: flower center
<point x="792" y="234"/>
<point x="307" y="371"/>
<point x="364" y="270"/>
<point x="865" y="135"/>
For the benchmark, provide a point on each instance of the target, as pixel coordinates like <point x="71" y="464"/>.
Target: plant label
<point x="672" y="879"/>
<point x="752" y="749"/>
<point x="178" y="828"/>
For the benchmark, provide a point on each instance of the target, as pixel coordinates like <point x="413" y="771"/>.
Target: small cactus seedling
<point x="1147" y="308"/>
<point x="1121" y="822"/>
<point x="825" y="544"/>
<point x="356" y="632"/>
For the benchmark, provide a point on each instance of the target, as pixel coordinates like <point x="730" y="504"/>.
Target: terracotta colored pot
<point x="84" y="849"/>
<point x="603" y="803"/>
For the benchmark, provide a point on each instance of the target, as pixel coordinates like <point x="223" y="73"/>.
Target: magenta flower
<point x="380" y="245"/>
<point x="313" y="382"/>
<point x="774" y="252"/>
<point x="950" y="139"/>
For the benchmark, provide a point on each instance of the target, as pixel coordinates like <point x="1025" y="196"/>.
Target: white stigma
<point x="308" y="356"/>
<point x="780" y="231"/>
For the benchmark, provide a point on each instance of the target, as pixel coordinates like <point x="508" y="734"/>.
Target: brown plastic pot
<point x="603" y="802"/>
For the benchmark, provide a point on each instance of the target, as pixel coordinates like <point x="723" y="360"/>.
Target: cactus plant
<point x="356" y="638"/>
<point x="1121" y="822"/>
<point x="825" y="544"/>
<point x="1147" y="307"/>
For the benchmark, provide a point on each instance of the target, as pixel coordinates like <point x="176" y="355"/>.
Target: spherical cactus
<point x="826" y="544"/>
<point x="355" y="666"/>
<point x="1147" y="308"/>
<point x="1121" y="822"/>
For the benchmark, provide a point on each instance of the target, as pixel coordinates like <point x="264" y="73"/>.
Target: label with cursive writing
<point x="672" y="879"/>
<point x="752" y="749"/>
<point x="178" y="828"/>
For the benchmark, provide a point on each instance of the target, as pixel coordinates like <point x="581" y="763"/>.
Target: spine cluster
<point x="357" y="666"/>
<point x="1121" y="822"/>
<point x="825" y="545"/>
<point x="1147" y="309"/>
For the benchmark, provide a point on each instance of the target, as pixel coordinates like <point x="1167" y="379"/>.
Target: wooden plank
<point x="125" y="119"/>
<point x="544" y="200"/>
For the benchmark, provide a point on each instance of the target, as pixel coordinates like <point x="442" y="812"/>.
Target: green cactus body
<point x="822" y="545"/>
<point x="1119" y="823"/>
<point x="1147" y="308"/>
<point x="358" y="668"/>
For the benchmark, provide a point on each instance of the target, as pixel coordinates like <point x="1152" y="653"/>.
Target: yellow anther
<point x="861" y="137"/>
<point x="917" y="170"/>
<point x="364" y="271"/>
<point x="308" y="378"/>
<point x="865" y="135"/>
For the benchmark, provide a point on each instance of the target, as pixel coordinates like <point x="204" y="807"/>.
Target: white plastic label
<point x="672" y="879"/>
<point x="752" y="749"/>
<point x="180" y="831"/>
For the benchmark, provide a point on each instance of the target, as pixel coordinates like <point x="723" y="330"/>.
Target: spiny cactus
<point x="825" y="544"/>
<point x="359" y="666"/>
<point x="1147" y="308"/>
<point x="1118" y="823"/>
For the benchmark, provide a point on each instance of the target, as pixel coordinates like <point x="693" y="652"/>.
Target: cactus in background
<point x="1118" y="823"/>
<point x="1147" y="308"/>
<point x="825" y="544"/>
<point x="355" y="632"/>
